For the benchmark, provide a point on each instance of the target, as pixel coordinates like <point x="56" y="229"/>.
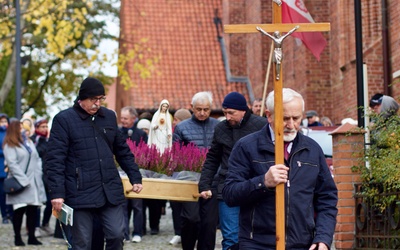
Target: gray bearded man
<point x="310" y="192"/>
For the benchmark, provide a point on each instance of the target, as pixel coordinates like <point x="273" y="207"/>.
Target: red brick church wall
<point x="330" y="85"/>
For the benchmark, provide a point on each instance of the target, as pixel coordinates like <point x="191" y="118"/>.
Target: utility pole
<point x="18" y="60"/>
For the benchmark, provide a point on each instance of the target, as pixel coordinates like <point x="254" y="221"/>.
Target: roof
<point x="183" y="33"/>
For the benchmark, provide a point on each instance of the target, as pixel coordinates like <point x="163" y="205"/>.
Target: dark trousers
<point x="31" y="214"/>
<point x="97" y="234"/>
<point x="112" y="221"/>
<point x="199" y="223"/>
<point x="154" y="213"/>
<point x="208" y="222"/>
<point x="135" y="205"/>
<point x="47" y="211"/>
<point x="6" y="210"/>
<point x="176" y="207"/>
<point x="190" y="217"/>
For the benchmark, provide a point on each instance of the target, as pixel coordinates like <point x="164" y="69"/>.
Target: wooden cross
<point x="277" y="25"/>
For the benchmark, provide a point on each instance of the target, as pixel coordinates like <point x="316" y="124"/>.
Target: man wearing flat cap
<point x="81" y="171"/>
<point x="239" y="122"/>
<point x="312" y="118"/>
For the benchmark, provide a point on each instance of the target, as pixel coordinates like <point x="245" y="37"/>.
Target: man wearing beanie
<point x="198" y="219"/>
<point x="81" y="170"/>
<point x="239" y="122"/>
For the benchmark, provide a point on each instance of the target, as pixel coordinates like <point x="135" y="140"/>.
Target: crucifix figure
<point x="278" y="40"/>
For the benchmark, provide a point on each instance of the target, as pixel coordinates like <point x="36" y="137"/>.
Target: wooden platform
<point x="153" y="188"/>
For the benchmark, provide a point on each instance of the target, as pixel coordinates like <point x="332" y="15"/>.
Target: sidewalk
<point x="149" y="242"/>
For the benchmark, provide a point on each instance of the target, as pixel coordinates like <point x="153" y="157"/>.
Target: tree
<point x="60" y="47"/>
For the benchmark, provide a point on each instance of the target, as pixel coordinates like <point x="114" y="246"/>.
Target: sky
<point x="107" y="47"/>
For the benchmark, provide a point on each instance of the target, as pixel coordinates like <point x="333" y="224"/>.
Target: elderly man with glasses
<point x="83" y="142"/>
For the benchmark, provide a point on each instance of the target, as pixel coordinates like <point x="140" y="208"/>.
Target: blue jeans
<point x="229" y="224"/>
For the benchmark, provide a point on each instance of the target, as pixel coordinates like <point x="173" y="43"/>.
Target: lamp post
<point x="18" y="60"/>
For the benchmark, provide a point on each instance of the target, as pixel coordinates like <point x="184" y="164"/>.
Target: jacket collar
<point x="83" y="114"/>
<point x="245" y="118"/>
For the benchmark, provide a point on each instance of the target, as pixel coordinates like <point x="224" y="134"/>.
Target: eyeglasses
<point x="94" y="99"/>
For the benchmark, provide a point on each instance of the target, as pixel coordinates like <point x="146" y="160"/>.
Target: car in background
<point x="322" y="135"/>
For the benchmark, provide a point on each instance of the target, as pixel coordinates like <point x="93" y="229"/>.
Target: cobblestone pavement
<point x="149" y="242"/>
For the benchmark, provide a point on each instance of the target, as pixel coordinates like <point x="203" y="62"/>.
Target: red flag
<point x="294" y="11"/>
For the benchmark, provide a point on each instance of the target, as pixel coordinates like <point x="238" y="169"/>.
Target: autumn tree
<point x="60" y="46"/>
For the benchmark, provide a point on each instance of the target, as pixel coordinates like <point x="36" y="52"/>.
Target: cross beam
<point x="282" y="27"/>
<point x="278" y="100"/>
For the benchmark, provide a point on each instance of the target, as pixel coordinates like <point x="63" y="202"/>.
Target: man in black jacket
<point x="239" y="123"/>
<point x="81" y="170"/>
<point x="130" y="131"/>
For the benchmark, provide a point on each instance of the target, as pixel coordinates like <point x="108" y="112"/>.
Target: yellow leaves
<point x="6" y="49"/>
<point x="55" y="22"/>
<point x="6" y="34"/>
<point x="137" y="62"/>
<point x="87" y="42"/>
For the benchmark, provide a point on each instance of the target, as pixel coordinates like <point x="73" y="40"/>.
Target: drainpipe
<point x="359" y="61"/>
<point x="229" y="77"/>
<point x="387" y="66"/>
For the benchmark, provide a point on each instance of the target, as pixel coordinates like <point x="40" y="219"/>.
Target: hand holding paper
<point x="57" y="204"/>
<point x="65" y="215"/>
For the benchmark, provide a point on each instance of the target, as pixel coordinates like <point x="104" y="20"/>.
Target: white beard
<point x="290" y="136"/>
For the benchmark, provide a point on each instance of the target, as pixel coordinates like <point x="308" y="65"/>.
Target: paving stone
<point x="149" y="242"/>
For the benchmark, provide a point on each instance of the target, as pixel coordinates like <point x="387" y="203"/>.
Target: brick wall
<point x="346" y="154"/>
<point x="328" y="86"/>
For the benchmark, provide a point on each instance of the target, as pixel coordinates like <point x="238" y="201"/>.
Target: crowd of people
<point x="75" y="164"/>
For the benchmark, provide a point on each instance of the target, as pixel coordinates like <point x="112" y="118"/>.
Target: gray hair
<point x="287" y="95"/>
<point x="132" y="111"/>
<point x="202" y="97"/>
<point x="389" y="106"/>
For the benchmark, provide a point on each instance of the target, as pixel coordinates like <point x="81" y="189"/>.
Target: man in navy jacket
<point x="311" y="194"/>
<point x="81" y="170"/>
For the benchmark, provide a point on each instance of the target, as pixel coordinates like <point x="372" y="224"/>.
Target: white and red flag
<point x="294" y="11"/>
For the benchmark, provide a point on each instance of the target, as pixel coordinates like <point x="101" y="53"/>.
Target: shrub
<point x="383" y="174"/>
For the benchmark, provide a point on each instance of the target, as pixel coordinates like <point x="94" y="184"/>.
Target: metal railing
<point x="376" y="229"/>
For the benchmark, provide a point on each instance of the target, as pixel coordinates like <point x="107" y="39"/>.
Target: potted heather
<point x="178" y="162"/>
<point x="172" y="175"/>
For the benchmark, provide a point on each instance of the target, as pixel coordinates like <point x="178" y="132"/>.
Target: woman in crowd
<point x="25" y="165"/>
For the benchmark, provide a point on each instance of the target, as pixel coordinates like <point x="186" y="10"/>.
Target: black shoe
<point x="18" y="241"/>
<point x="34" y="241"/>
<point x="154" y="231"/>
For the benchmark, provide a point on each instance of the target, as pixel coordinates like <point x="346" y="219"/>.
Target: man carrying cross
<point x="310" y="192"/>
